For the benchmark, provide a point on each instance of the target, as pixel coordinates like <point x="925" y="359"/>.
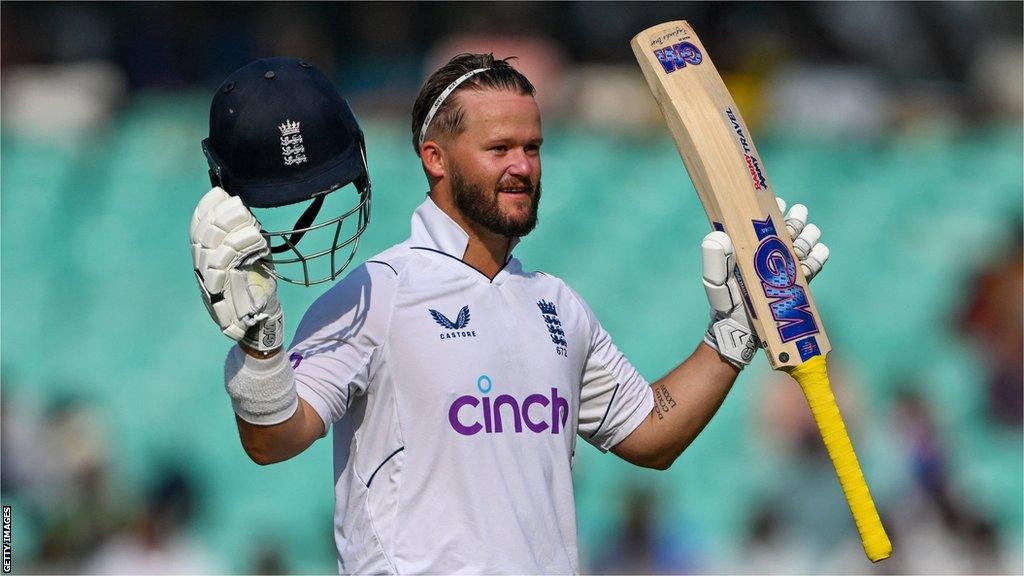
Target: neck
<point x="486" y="251"/>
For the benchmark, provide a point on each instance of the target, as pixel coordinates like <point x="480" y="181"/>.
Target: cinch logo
<point x="461" y="321"/>
<point x="677" y="56"/>
<point x="753" y="164"/>
<point x="469" y="415"/>
<point x="776" y="268"/>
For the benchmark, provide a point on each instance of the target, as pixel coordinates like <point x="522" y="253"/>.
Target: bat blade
<point x="732" y="184"/>
<point x="720" y="156"/>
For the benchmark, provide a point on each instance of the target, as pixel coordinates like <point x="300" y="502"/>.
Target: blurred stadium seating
<point x="98" y="303"/>
<point x="111" y="369"/>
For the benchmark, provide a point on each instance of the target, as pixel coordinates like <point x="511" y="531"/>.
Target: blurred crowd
<point x="57" y="470"/>
<point x="880" y="66"/>
<point x="56" y="473"/>
<point x="938" y="525"/>
<point x="72" y="512"/>
<point x="885" y="68"/>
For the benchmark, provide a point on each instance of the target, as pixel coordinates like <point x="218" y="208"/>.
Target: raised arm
<point x="684" y="402"/>
<point x="687" y="398"/>
<point x="241" y="297"/>
<point x="268" y="444"/>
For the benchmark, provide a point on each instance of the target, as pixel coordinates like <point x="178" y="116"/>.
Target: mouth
<point x="516" y="190"/>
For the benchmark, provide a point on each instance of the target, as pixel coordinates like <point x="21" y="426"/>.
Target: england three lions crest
<point x="292" y="149"/>
<point x="549" y="313"/>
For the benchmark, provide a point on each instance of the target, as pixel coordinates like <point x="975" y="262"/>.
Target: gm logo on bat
<point x="776" y="269"/>
<point x="677" y="56"/>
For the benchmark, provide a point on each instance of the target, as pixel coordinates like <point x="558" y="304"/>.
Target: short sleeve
<point x="338" y="338"/>
<point x="614" y="398"/>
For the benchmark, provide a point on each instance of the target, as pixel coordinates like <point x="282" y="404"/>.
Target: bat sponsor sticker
<point x="808" y="347"/>
<point x="677" y="56"/>
<point x="776" y="268"/>
<point x="753" y="162"/>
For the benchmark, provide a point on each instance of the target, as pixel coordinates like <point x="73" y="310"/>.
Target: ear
<point x="433" y="159"/>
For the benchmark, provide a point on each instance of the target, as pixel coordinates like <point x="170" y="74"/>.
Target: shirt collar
<point x="432" y="228"/>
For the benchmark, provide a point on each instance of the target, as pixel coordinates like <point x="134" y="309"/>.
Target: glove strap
<point x="733" y="341"/>
<point x="265" y="336"/>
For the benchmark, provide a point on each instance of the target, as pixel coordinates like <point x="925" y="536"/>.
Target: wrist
<point x="262" y="391"/>
<point x="258" y="354"/>
<point x="710" y="347"/>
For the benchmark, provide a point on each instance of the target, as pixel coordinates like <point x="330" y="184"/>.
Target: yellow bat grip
<point x="813" y="378"/>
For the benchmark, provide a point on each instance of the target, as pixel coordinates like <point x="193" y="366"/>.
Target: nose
<point x="524" y="165"/>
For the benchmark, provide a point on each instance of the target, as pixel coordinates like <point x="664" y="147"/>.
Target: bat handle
<point x="813" y="379"/>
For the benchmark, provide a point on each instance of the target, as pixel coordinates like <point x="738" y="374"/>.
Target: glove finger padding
<point x="811" y="253"/>
<point x="216" y="215"/>
<point x="249" y="244"/>
<point x="219" y="251"/>
<point x="814" y="261"/>
<point x="243" y="246"/>
<point x="795" y="220"/>
<point x="718" y="262"/>
<point x="209" y="200"/>
<point x="806" y="240"/>
<point x="239" y="291"/>
<point x="729" y="331"/>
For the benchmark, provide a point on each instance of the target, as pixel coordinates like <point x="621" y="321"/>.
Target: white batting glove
<point x="729" y="331"/>
<point x="238" y="291"/>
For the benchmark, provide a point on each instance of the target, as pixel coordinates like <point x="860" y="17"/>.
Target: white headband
<point x="441" y="98"/>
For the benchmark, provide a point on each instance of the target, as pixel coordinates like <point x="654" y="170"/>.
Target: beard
<point x="481" y="206"/>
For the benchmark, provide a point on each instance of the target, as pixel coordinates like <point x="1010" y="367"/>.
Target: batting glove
<point x="729" y="331"/>
<point x="238" y="290"/>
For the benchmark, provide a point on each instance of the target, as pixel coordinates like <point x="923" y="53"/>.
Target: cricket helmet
<point x="282" y="135"/>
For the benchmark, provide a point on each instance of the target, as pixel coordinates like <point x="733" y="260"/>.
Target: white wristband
<point x="262" y="391"/>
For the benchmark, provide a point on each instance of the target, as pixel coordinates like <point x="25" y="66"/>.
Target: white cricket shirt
<point x="456" y="401"/>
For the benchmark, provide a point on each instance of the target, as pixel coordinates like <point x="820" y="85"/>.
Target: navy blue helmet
<point x="281" y="134"/>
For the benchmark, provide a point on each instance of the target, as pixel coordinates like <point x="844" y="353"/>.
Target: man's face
<point x="494" y="164"/>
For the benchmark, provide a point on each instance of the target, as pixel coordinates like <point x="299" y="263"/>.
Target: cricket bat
<point x="730" y="179"/>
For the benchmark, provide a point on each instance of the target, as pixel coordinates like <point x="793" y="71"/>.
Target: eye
<point x="499" y="148"/>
